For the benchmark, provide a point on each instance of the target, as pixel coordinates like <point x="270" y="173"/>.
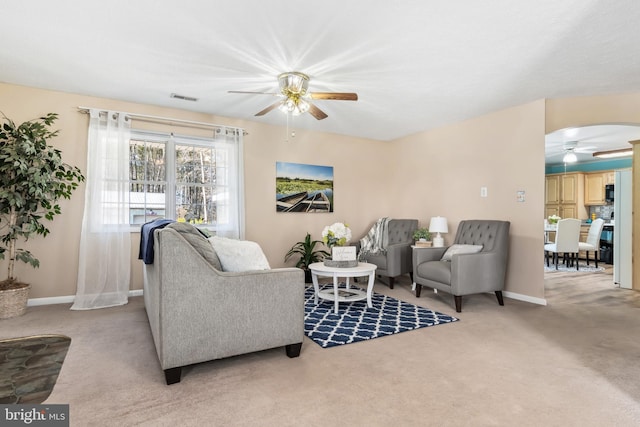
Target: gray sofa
<point x="466" y="273"/>
<point x="199" y="313"/>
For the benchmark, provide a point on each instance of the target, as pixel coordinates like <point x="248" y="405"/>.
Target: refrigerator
<point x="622" y="272"/>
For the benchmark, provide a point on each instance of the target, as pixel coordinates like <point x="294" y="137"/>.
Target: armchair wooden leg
<point x="293" y="350"/>
<point x="458" y="300"/>
<point x="418" y="289"/>
<point x="499" y="296"/>
<point x="172" y="375"/>
<point x="391" y="280"/>
<point x="411" y="276"/>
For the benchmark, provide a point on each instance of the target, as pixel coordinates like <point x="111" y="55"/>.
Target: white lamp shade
<point x="570" y="157"/>
<point x="438" y="224"/>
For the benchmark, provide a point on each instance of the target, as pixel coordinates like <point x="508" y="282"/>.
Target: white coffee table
<point x="318" y="269"/>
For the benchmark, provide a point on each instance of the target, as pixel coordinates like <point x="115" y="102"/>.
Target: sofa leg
<point x="293" y="350"/>
<point x="173" y="375"/>
<point x="418" y="289"/>
<point x="458" y="300"/>
<point x="499" y="296"/>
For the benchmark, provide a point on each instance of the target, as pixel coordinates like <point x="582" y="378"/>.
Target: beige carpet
<point x="575" y="362"/>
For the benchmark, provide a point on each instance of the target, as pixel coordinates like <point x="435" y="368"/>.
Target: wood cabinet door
<point x="609" y="178"/>
<point x="568" y="211"/>
<point x="594" y="188"/>
<point x="552" y="189"/>
<point x="551" y="210"/>
<point x="569" y="189"/>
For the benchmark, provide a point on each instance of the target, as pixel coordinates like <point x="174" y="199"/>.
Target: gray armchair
<point x="466" y="273"/>
<point x="396" y="260"/>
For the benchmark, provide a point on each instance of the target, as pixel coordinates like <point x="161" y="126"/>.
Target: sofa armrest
<point x="206" y="314"/>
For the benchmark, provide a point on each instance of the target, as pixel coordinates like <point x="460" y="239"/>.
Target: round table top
<point x="362" y="267"/>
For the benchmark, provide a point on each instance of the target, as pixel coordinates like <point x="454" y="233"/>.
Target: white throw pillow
<point x="239" y="255"/>
<point x="460" y="249"/>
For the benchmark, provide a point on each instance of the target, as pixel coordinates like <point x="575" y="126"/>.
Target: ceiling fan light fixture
<point x="293" y="83"/>
<point x="570" y="157"/>
<point x="613" y="153"/>
<point x="295" y="106"/>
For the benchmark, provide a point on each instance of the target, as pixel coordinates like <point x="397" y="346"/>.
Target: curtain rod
<point x="166" y="120"/>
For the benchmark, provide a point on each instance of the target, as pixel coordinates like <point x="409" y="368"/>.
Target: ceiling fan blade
<point x="316" y="112"/>
<point x="254" y="93"/>
<point x="269" y="108"/>
<point x="340" y="96"/>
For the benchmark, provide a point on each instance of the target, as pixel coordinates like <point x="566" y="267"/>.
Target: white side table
<point x="318" y="269"/>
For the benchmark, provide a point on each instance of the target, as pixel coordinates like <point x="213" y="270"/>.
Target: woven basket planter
<point x="13" y="302"/>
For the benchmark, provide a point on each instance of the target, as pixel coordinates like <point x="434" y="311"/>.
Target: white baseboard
<point x="32" y="302"/>
<point x="526" y="298"/>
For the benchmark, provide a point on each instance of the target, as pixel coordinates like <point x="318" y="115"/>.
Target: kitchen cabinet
<point x="564" y="195"/>
<point x="594" y="183"/>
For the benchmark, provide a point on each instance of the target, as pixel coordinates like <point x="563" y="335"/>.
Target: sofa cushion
<point x="460" y="249"/>
<point x="199" y="242"/>
<point x="239" y="255"/>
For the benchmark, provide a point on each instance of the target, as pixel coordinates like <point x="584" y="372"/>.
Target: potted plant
<point x="308" y="255"/>
<point x="34" y="178"/>
<point x="422" y="236"/>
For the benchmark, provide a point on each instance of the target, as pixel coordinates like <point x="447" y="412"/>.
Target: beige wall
<point x="592" y="110"/>
<point x="359" y="184"/>
<point x="443" y="170"/>
<point x="438" y="172"/>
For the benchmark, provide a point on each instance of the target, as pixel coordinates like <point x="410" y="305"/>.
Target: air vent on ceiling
<point x="184" y="97"/>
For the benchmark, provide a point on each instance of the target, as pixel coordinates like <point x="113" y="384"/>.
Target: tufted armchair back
<point x="491" y="234"/>
<point x="401" y="230"/>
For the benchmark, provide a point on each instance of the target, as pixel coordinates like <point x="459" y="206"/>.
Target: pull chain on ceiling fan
<point x="295" y="98"/>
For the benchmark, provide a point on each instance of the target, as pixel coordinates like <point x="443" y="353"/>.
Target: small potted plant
<point x="308" y="255"/>
<point x="34" y="178"/>
<point x="422" y="236"/>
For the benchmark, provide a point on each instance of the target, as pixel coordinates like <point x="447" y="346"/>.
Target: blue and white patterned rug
<point x="356" y="322"/>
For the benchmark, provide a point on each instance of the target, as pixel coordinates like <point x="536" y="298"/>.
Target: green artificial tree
<point x="34" y="178"/>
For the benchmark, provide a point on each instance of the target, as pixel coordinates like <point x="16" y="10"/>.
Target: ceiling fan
<point x="296" y="99"/>
<point x="570" y="149"/>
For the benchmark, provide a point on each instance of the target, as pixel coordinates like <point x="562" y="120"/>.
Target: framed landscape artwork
<point x="304" y="188"/>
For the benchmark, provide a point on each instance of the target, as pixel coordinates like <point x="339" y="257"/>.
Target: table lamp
<point x="438" y="225"/>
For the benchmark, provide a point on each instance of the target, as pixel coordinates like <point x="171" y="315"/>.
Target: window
<point x="188" y="179"/>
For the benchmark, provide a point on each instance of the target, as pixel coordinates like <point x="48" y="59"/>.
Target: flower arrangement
<point x="553" y="219"/>
<point x="337" y="234"/>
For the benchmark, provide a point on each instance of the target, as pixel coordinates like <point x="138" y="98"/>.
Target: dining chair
<point x="566" y="243"/>
<point x="593" y="240"/>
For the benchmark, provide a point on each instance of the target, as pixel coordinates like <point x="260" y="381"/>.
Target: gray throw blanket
<point x="375" y="242"/>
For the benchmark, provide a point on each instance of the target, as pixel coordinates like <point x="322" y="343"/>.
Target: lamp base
<point x="438" y="242"/>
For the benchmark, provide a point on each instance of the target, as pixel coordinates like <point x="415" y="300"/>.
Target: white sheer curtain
<point x="105" y="243"/>
<point x="230" y="195"/>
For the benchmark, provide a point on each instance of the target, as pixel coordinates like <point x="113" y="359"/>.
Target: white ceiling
<point x="588" y="139"/>
<point x="415" y="65"/>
